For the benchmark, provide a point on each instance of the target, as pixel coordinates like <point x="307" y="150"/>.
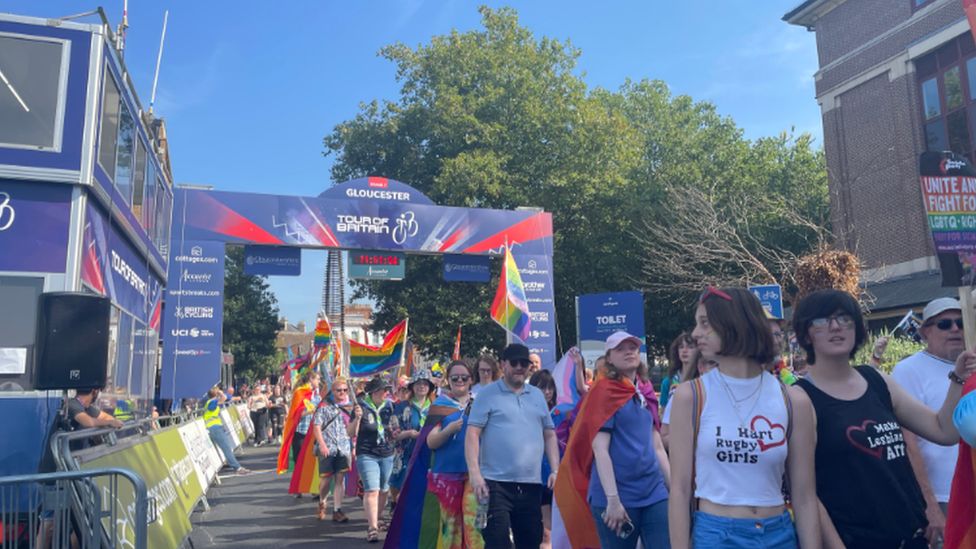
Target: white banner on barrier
<point x="201" y="449"/>
<point x="246" y="422"/>
<point x="229" y="425"/>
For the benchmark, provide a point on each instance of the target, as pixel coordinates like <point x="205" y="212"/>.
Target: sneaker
<point x="339" y="516"/>
<point x="372" y="535"/>
<point x="243" y="471"/>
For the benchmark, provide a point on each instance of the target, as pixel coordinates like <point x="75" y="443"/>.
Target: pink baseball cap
<point x="617" y="338"/>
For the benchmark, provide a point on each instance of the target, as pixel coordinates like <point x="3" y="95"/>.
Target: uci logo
<point x="7" y="213"/>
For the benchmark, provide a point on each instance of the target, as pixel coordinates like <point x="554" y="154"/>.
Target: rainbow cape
<point x="960" y="529"/>
<point x="366" y="360"/>
<point x="510" y="308"/>
<point x="416" y="517"/>
<point x="299" y="401"/>
<point x="573" y="480"/>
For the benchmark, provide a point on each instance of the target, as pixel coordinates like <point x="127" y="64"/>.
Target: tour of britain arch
<point x="373" y="213"/>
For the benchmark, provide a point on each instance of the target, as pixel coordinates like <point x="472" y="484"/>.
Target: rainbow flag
<point x="960" y="529"/>
<point x="299" y="402"/>
<point x="323" y="333"/>
<point x="305" y="476"/>
<point x="366" y="360"/>
<point x="510" y="309"/>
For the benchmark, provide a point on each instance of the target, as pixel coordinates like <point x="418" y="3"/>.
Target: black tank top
<point x="864" y="478"/>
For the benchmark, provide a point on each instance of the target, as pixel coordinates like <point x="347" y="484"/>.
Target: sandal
<point x="321" y="514"/>
<point x="372" y="535"/>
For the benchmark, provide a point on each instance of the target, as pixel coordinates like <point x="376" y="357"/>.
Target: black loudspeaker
<point x="72" y="341"/>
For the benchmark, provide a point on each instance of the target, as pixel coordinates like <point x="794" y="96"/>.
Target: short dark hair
<point x="543" y="379"/>
<point x="824" y="303"/>
<point x="741" y="324"/>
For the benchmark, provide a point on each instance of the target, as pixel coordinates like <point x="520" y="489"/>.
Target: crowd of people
<point x="733" y="450"/>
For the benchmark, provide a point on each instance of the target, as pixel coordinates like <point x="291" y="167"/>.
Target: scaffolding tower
<point x="334" y="290"/>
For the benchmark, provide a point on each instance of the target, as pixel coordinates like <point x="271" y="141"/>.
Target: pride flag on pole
<point x="510" y="308"/>
<point x="457" y="346"/>
<point x="366" y="360"/>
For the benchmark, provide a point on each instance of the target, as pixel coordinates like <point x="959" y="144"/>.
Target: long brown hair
<point x="674" y="353"/>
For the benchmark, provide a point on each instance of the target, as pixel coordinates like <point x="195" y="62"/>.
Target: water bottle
<point x="481" y="516"/>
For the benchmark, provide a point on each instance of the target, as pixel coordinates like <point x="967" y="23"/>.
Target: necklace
<point x="736" y="403"/>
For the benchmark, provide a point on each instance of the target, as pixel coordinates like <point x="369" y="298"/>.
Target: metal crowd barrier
<point x="67" y="509"/>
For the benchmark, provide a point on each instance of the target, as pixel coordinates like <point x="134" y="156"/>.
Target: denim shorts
<point x="374" y="472"/>
<point x="735" y="533"/>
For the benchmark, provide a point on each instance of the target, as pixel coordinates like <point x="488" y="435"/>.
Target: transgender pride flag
<point x="510" y="309"/>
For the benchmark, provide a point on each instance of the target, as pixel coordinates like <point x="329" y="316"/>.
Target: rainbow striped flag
<point x="510" y="309"/>
<point x="323" y="332"/>
<point x="366" y="360"/>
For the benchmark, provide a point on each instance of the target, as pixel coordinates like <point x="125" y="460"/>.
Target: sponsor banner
<point x="193" y="316"/>
<point x="599" y="315"/>
<point x="34" y="220"/>
<point x="467" y="268"/>
<point x="272" y="260"/>
<point x="377" y="266"/>
<point x="170" y="486"/>
<point x="232" y="425"/>
<point x="245" y="418"/>
<point x="536" y="273"/>
<point x="376" y="188"/>
<point x="771" y="297"/>
<point x="111" y="266"/>
<point x="362" y="223"/>
<point x="206" y="459"/>
<point x="949" y="197"/>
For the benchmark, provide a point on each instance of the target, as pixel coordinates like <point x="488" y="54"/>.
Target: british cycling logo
<point x="7" y="212"/>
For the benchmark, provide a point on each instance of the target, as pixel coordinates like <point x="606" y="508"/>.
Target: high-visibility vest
<point x="211" y="417"/>
<point x="123" y="410"/>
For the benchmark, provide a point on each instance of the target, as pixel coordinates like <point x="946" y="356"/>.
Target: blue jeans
<point x="374" y="472"/>
<point x="734" y="533"/>
<point x="220" y="438"/>
<point x="650" y="525"/>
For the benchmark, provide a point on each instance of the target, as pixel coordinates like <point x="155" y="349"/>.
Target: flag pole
<point x="508" y="333"/>
<point x="406" y="337"/>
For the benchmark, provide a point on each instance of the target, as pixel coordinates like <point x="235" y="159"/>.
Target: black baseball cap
<point x="515" y="352"/>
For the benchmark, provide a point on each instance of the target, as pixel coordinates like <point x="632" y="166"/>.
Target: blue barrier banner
<point x="272" y="260"/>
<point x="599" y="315"/>
<point x="771" y="297"/>
<point x="192" y="319"/>
<point x="467" y="268"/>
<point x="111" y="266"/>
<point x="34" y="221"/>
<point x="536" y="273"/>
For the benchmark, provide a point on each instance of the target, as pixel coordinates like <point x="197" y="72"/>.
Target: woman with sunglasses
<point x="744" y="431"/>
<point x="448" y="476"/>
<point x="486" y="372"/>
<point x="868" y="491"/>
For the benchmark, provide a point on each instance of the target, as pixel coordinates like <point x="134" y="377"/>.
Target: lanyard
<point x="380" y="434"/>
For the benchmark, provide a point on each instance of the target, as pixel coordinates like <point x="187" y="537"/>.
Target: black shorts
<point x="334" y="464"/>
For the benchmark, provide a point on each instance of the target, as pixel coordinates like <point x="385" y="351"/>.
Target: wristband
<point x="953" y="377"/>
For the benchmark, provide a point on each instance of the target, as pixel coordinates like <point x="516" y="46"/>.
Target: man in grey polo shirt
<point x="508" y="429"/>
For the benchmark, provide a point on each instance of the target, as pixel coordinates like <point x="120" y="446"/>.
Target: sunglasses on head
<point x="459" y="379"/>
<point x="713" y="291"/>
<point x="946" y="324"/>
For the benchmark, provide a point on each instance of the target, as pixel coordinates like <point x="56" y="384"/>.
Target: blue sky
<point x="249" y="89"/>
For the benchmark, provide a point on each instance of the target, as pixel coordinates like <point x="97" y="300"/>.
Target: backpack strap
<point x="789" y="434"/>
<point x="697" y="407"/>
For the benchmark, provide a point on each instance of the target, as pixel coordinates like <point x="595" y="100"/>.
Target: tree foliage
<point x="499" y="118"/>
<point x="250" y="318"/>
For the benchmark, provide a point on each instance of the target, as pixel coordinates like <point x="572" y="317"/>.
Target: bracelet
<point x="953" y="377"/>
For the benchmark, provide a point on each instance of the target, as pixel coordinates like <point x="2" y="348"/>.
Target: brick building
<point x="896" y="78"/>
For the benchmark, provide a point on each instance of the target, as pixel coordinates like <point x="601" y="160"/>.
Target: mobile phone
<point x="626" y="529"/>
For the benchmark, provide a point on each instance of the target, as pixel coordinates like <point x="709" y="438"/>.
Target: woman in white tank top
<point x="733" y="441"/>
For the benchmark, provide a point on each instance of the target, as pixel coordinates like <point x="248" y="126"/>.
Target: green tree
<point x="498" y="118"/>
<point x="250" y="318"/>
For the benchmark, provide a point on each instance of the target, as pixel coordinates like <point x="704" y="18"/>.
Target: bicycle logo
<point x="7" y="212"/>
<point x="406" y="226"/>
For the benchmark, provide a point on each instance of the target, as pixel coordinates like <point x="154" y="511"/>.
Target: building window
<point x="139" y="180"/>
<point x="32" y="79"/>
<point x="123" y="160"/>
<point x="111" y="101"/>
<point x="947" y="87"/>
<point x="19" y="295"/>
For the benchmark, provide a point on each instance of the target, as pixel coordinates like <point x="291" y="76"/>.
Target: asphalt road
<point x="256" y="511"/>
